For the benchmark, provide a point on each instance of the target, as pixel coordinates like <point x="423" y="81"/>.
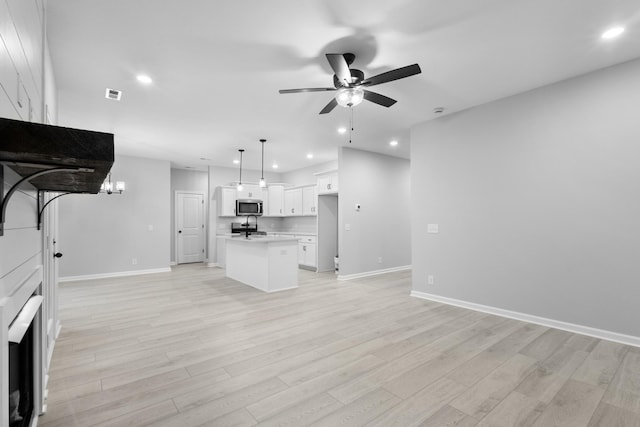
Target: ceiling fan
<point x="350" y="83"/>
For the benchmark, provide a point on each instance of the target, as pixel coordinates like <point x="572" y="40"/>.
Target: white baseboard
<point x="172" y="263"/>
<point x="372" y="273"/>
<point x="118" y="274"/>
<point x="551" y="323"/>
<point x="283" y="289"/>
<point x="214" y="264"/>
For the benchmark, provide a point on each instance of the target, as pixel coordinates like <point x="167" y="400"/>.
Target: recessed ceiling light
<point x="612" y="32"/>
<point x="144" y="79"/>
<point x="342" y="130"/>
<point x="393" y="143"/>
<point x="236" y="161"/>
<point x="310" y="156"/>
<point x="275" y="166"/>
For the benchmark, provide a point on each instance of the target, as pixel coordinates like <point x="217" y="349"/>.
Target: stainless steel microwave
<point x="246" y="207"/>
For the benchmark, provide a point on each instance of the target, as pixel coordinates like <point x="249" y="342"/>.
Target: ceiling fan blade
<point x="376" y="98"/>
<point x="330" y="106"/>
<point x="340" y="67"/>
<point x="308" y="89"/>
<point x="389" y="76"/>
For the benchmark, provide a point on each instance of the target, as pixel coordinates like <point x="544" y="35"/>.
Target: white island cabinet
<point x="266" y="263"/>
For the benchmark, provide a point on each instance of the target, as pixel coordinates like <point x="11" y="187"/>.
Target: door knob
<point x="179" y="231"/>
<point x="58" y="255"/>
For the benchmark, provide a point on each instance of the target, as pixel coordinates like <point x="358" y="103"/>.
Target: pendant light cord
<point x="262" y="141"/>
<point x="240" y="182"/>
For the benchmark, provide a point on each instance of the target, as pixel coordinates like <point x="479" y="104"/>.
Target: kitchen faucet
<point x="247" y="225"/>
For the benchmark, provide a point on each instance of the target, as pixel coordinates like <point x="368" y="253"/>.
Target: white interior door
<point x="189" y="227"/>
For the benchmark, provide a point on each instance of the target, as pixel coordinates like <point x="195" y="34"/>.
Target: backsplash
<point x="296" y="224"/>
<point x="299" y="224"/>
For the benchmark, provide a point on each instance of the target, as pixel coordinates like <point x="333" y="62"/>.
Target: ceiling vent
<point x="113" y="94"/>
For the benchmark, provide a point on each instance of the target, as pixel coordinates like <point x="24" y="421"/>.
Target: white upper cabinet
<point x="250" y="191"/>
<point x="301" y="201"/>
<point x="293" y="201"/>
<point x="275" y="201"/>
<point x="226" y="201"/>
<point x="328" y="183"/>
<point x="309" y="200"/>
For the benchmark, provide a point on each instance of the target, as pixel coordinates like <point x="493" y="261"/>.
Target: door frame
<point x="204" y="221"/>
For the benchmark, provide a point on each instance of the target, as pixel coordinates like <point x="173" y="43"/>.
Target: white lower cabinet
<point x="307" y="251"/>
<point x="221" y="249"/>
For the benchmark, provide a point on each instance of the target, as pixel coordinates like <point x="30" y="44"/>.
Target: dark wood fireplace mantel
<point x="53" y="158"/>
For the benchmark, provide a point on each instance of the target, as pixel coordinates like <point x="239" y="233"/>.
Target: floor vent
<point x="113" y="94"/>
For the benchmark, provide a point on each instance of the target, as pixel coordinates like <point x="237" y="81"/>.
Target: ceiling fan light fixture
<point x="350" y="96"/>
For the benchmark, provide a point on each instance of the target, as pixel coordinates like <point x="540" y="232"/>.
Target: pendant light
<point x="239" y="188"/>
<point x="263" y="183"/>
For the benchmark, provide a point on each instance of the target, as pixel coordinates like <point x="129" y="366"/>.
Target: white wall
<point x="186" y="180"/>
<point x="382" y="228"/>
<point x="21" y="242"/>
<point x="305" y="176"/>
<point x="101" y="234"/>
<point x="537" y="201"/>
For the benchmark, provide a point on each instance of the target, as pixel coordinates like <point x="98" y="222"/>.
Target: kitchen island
<point x="264" y="262"/>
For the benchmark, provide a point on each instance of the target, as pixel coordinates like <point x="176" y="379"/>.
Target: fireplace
<point x="21" y="380"/>
<point x="23" y="363"/>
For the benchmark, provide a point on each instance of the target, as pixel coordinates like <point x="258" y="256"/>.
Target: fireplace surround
<point x="21" y="355"/>
<point x="22" y="369"/>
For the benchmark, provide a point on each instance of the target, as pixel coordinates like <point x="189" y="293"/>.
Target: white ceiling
<point x="217" y="67"/>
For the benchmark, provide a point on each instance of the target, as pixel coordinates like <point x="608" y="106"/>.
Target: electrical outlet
<point x="430" y="280"/>
<point x="432" y="228"/>
<point x="134" y="261"/>
<point x="380" y="260"/>
<point x="347" y="227"/>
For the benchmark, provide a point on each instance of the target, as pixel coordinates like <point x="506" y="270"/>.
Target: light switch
<point x="432" y="228"/>
<point x="150" y="227"/>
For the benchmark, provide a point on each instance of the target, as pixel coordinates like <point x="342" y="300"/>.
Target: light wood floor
<point x="192" y="347"/>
